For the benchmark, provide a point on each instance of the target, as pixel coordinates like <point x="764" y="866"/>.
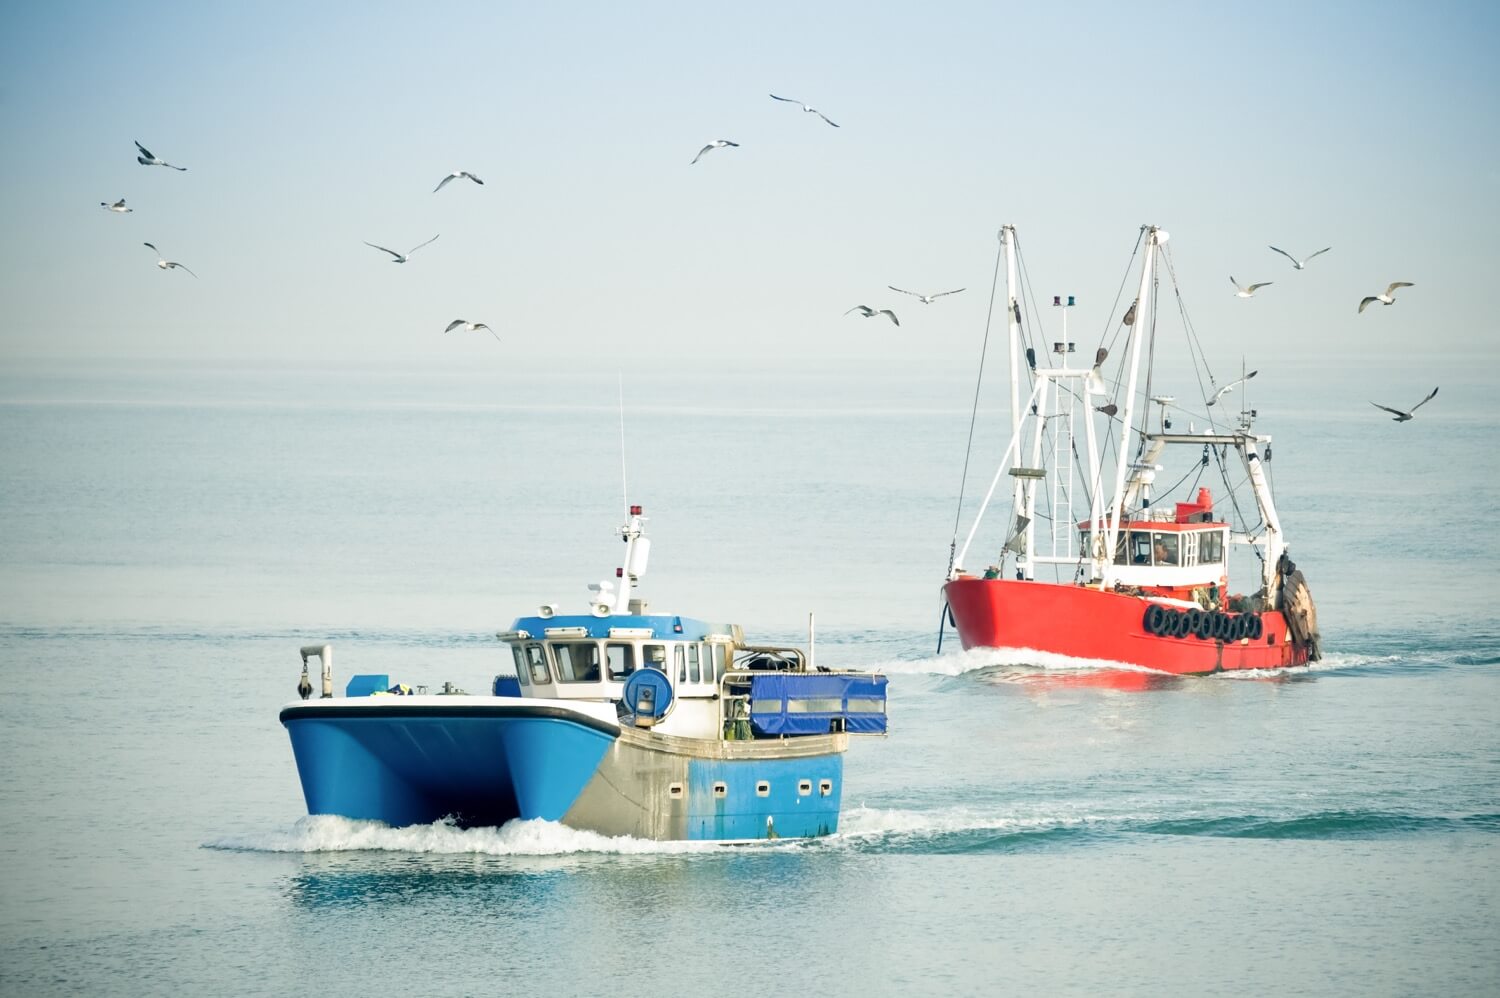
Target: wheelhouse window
<point x="695" y="673"/>
<point x="536" y="662"/>
<point x="577" y="661"/>
<point x="1164" y="550"/>
<point x="655" y="657"/>
<point x="1134" y="549"/>
<point x="521" y="669"/>
<point x="1210" y="547"/>
<point x="620" y="659"/>
<point x="721" y="659"/>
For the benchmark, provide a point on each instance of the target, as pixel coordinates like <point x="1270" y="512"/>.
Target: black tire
<point x="1153" y="619"/>
<point x="1194" y="619"/>
<point x="1257" y="627"/>
<point x="1205" y="626"/>
<point x="1179" y="623"/>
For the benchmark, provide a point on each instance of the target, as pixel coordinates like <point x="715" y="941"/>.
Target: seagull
<point x="118" y="206"/>
<point x="1389" y="298"/>
<point x="925" y="299"/>
<point x="1402" y="417"/>
<point x="166" y="264"/>
<point x="1299" y="264"/>
<point x="401" y="257"/>
<point x="146" y="159"/>
<point x="1247" y="292"/>
<point x="715" y="144"/>
<point x="870" y="313"/>
<point x="469" y="327"/>
<point x="1230" y="387"/>
<point x="456" y="174"/>
<point x="806" y="107"/>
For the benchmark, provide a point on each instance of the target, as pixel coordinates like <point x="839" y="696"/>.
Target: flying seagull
<point x="1402" y="417"/>
<point x="118" y="206"/>
<point x="715" y="144"/>
<point x="401" y="257"/>
<point x="1241" y="292"/>
<point x="146" y="159"/>
<point x="1389" y="298"/>
<point x="469" y="327"/>
<point x="166" y="264"/>
<point x="1230" y="387"/>
<point x="455" y="175"/>
<point x="806" y="107"/>
<point x="870" y="313"/>
<point x="924" y="299"/>
<point x="1299" y="264"/>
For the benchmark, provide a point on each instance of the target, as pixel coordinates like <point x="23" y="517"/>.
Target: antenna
<point x="624" y="481"/>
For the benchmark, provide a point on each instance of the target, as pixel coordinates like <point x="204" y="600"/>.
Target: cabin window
<point x="692" y="662"/>
<point x="621" y="659"/>
<point x="695" y="671"/>
<point x="1190" y="548"/>
<point x="577" y="661"/>
<point x="721" y="660"/>
<point x="1211" y="547"/>
<point x="536" y="661"/>
<point x="1164" y="549"/>
<point x="520" y="666"/>
<point x="655" y="657"/>
<point x="1139" y="548"/>
<point x="680" y="663"/>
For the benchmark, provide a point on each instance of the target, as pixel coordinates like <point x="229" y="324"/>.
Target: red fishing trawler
<point x="1144" y="579"/>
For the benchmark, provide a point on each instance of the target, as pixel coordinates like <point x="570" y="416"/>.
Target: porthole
<point x="825" y="787"/>
<point x="675" y="791"/>
<point x="804" y="787"/>
<point x="721" y="789"/>
<point x="763" y="788"/>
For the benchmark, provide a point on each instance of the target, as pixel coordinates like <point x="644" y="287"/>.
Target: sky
<point x="309" y="129"/>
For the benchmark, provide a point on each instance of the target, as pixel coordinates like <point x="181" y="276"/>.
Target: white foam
<point x="329" y="833"/>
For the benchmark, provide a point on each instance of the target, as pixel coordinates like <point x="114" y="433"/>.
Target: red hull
<point x="1081" y="622"/>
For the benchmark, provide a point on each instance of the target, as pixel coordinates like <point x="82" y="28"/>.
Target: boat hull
<point x="1087" y="623"/>
<point x="485" y="761"/>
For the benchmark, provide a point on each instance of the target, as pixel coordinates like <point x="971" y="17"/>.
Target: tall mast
<point x="1154" y="238"/>
<point x="1013" y="324"/>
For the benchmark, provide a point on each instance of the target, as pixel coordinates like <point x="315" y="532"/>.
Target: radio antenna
<point x="624" y="481"/>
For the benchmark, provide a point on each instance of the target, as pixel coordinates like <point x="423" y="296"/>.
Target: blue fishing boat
<point x="617" y="720"/>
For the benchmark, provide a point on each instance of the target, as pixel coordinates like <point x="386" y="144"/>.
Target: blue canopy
<point x="810" y="703"/>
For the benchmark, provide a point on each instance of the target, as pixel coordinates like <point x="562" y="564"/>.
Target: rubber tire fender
<point x="1257" y="627"/>
<point x="1154" y="619"/>
<point x="1194" y="620"/>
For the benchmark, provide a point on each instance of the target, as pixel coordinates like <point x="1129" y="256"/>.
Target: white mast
<point x="1021" y="501"/>
<point x="1154" y="238"/>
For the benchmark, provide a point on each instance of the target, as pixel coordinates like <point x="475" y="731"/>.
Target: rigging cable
<point x="974" y="413"/>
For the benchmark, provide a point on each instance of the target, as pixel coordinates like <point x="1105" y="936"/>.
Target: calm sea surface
<point x="169" y="538"/>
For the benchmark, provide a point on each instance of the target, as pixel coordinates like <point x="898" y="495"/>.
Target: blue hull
<point x="489" y="760"/>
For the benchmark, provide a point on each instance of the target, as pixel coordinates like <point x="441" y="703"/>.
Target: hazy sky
<point x="309" y="128"/>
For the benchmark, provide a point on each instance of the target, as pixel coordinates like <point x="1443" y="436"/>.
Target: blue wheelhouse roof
<point x="664" y="627"/>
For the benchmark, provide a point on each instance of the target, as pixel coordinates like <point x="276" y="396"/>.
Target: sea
<point x="171" y="534"/>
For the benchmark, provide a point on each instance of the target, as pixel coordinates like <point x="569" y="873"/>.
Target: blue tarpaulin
<point x="798" y="703"/>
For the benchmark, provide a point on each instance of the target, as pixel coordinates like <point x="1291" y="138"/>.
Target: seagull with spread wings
<point x="469" y="327"/>
<point x="165" y="264"/>
<point x="1299" y="264"/>
<point x="455" y="175"/>
<point x="118" y="206"/>
<point x="924" y="299"/>
<point x="1230" y="387"/>
<point x="1244" y="292"/>
<point x="1389" y="298"/>
<point x="1402" y="416"/>
<point x="715" y="144"/>
<point x="807" y="108"/>
<point x="870" y="313"/>
<point x="401" y="257"/>
<point x="146" y="159"/>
